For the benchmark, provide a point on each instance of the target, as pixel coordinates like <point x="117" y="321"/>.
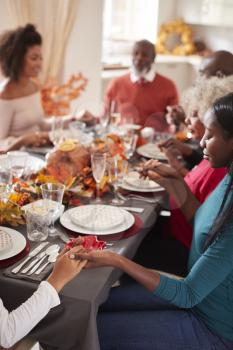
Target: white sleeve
<point x="6" y="116"/>
<point x="18" y="323"/>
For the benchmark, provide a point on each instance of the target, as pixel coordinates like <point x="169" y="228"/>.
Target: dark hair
<point x="13" y="47"/>
<point x="223" y="111"/>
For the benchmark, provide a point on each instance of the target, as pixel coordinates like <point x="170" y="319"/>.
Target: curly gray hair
<point x="204" y="93"/>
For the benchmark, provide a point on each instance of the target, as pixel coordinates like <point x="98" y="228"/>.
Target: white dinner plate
<point x="34" y="163"/>
<point x="133" y="179"/>
<point x="150" y="150"/>
<point x="131" y="126"/>
<point x="19" y="243"/>
<point x="127" y="187"/>
<point x="97" y="217"/>
<point x="127" y="223"/>
<point x="84" y="138"/>
<point x="39" y="150"/>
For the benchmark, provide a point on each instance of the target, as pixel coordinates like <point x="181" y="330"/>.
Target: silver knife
<point x="34" y="261"/>
<point x="133" y="209"/>
<point x="33" y="253"/>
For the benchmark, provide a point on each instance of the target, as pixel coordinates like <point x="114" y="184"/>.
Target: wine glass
<point x="56" y="134"/>
<point x="115" y="115"/>
<point x="130" y="142"/>
<point x="98" y="165"/>
<point x="18" y="163"/>
<point x="5" y="178"/>
<point x="117" y="170"/>
<point x="52" y="194"/>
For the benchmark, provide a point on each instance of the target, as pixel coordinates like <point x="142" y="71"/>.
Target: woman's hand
<point x="66" y="268"/>
<point x="161" y="173"/>
<point x="176" y="160"/>
<point x="184" y="149"/>
<point x="98" y="258"/>
<point x="38" y="139"/>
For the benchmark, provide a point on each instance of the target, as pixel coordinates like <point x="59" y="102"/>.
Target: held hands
<point x="161" y="173"/>
<point x="185" y="150"/>
<point x="97" y="258"/>
<point x="92" y="257"/>
<point x="39" y="138"/>
<point x="66" y="268"/>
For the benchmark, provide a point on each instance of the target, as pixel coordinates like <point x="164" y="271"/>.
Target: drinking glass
<point x="98" y="165"/>
<point x="77" y="129"/>
<point x="115" y="115"/>
<point x="53" y="195"/>
<point x="37" y="221"/>
<point x="130" y="142"/>
<point x="18" y="163"/>
<point x="56" y="135"/>
<point x="117" y="170"/>
<point x="5" y="178"/>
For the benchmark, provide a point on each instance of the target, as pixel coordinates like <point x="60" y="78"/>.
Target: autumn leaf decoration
<point x="56" y="98"/>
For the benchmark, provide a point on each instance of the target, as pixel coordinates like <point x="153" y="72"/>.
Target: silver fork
<point x="135" y="196"/>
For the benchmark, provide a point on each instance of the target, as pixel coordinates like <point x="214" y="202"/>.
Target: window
<point x="124" y="22"/>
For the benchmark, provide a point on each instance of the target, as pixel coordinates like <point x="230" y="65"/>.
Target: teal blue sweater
<point x="208" y="288"/>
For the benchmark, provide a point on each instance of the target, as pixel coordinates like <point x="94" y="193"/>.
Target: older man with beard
<point x="142" y="95"/>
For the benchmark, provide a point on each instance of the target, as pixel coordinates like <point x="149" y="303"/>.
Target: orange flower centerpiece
<point x="56" y="98"/>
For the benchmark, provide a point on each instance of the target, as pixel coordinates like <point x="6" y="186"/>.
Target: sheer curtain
<point x="54" y="20"/>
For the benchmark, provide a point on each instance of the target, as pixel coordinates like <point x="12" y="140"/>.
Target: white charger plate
<point x="127" y="223"/>
<point x="19" y="243"/>
<point x="150" y="150"/>
<point x="97" y="217"/>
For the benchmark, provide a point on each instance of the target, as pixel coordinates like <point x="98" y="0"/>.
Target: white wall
<point x="216" y="37"/>
<point x="84" y="51"/>
<point x="167" y="11"/>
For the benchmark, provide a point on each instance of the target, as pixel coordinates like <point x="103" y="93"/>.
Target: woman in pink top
<point x="21" y="113"/>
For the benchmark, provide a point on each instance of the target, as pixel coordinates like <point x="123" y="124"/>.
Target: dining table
<point x="72" y="324"/>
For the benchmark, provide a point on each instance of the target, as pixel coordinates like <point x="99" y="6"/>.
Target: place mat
<point x="15" y="259"/>
<point x="133" y="230"/>
<point x="33" y="277"/>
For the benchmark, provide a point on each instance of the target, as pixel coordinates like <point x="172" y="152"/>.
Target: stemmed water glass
<point x="117" y="170"/>
<point x="98" y="166"/>
<point x="129" y="141"/>
<point x="115" y="115"/>
<point x="53" y="194"/>
<point x="56" y="134"/>
<point x="5" y="178"/>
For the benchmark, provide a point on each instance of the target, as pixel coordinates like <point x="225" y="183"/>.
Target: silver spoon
<point x="51" y="259"/>
<point x="49" y="251"/>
